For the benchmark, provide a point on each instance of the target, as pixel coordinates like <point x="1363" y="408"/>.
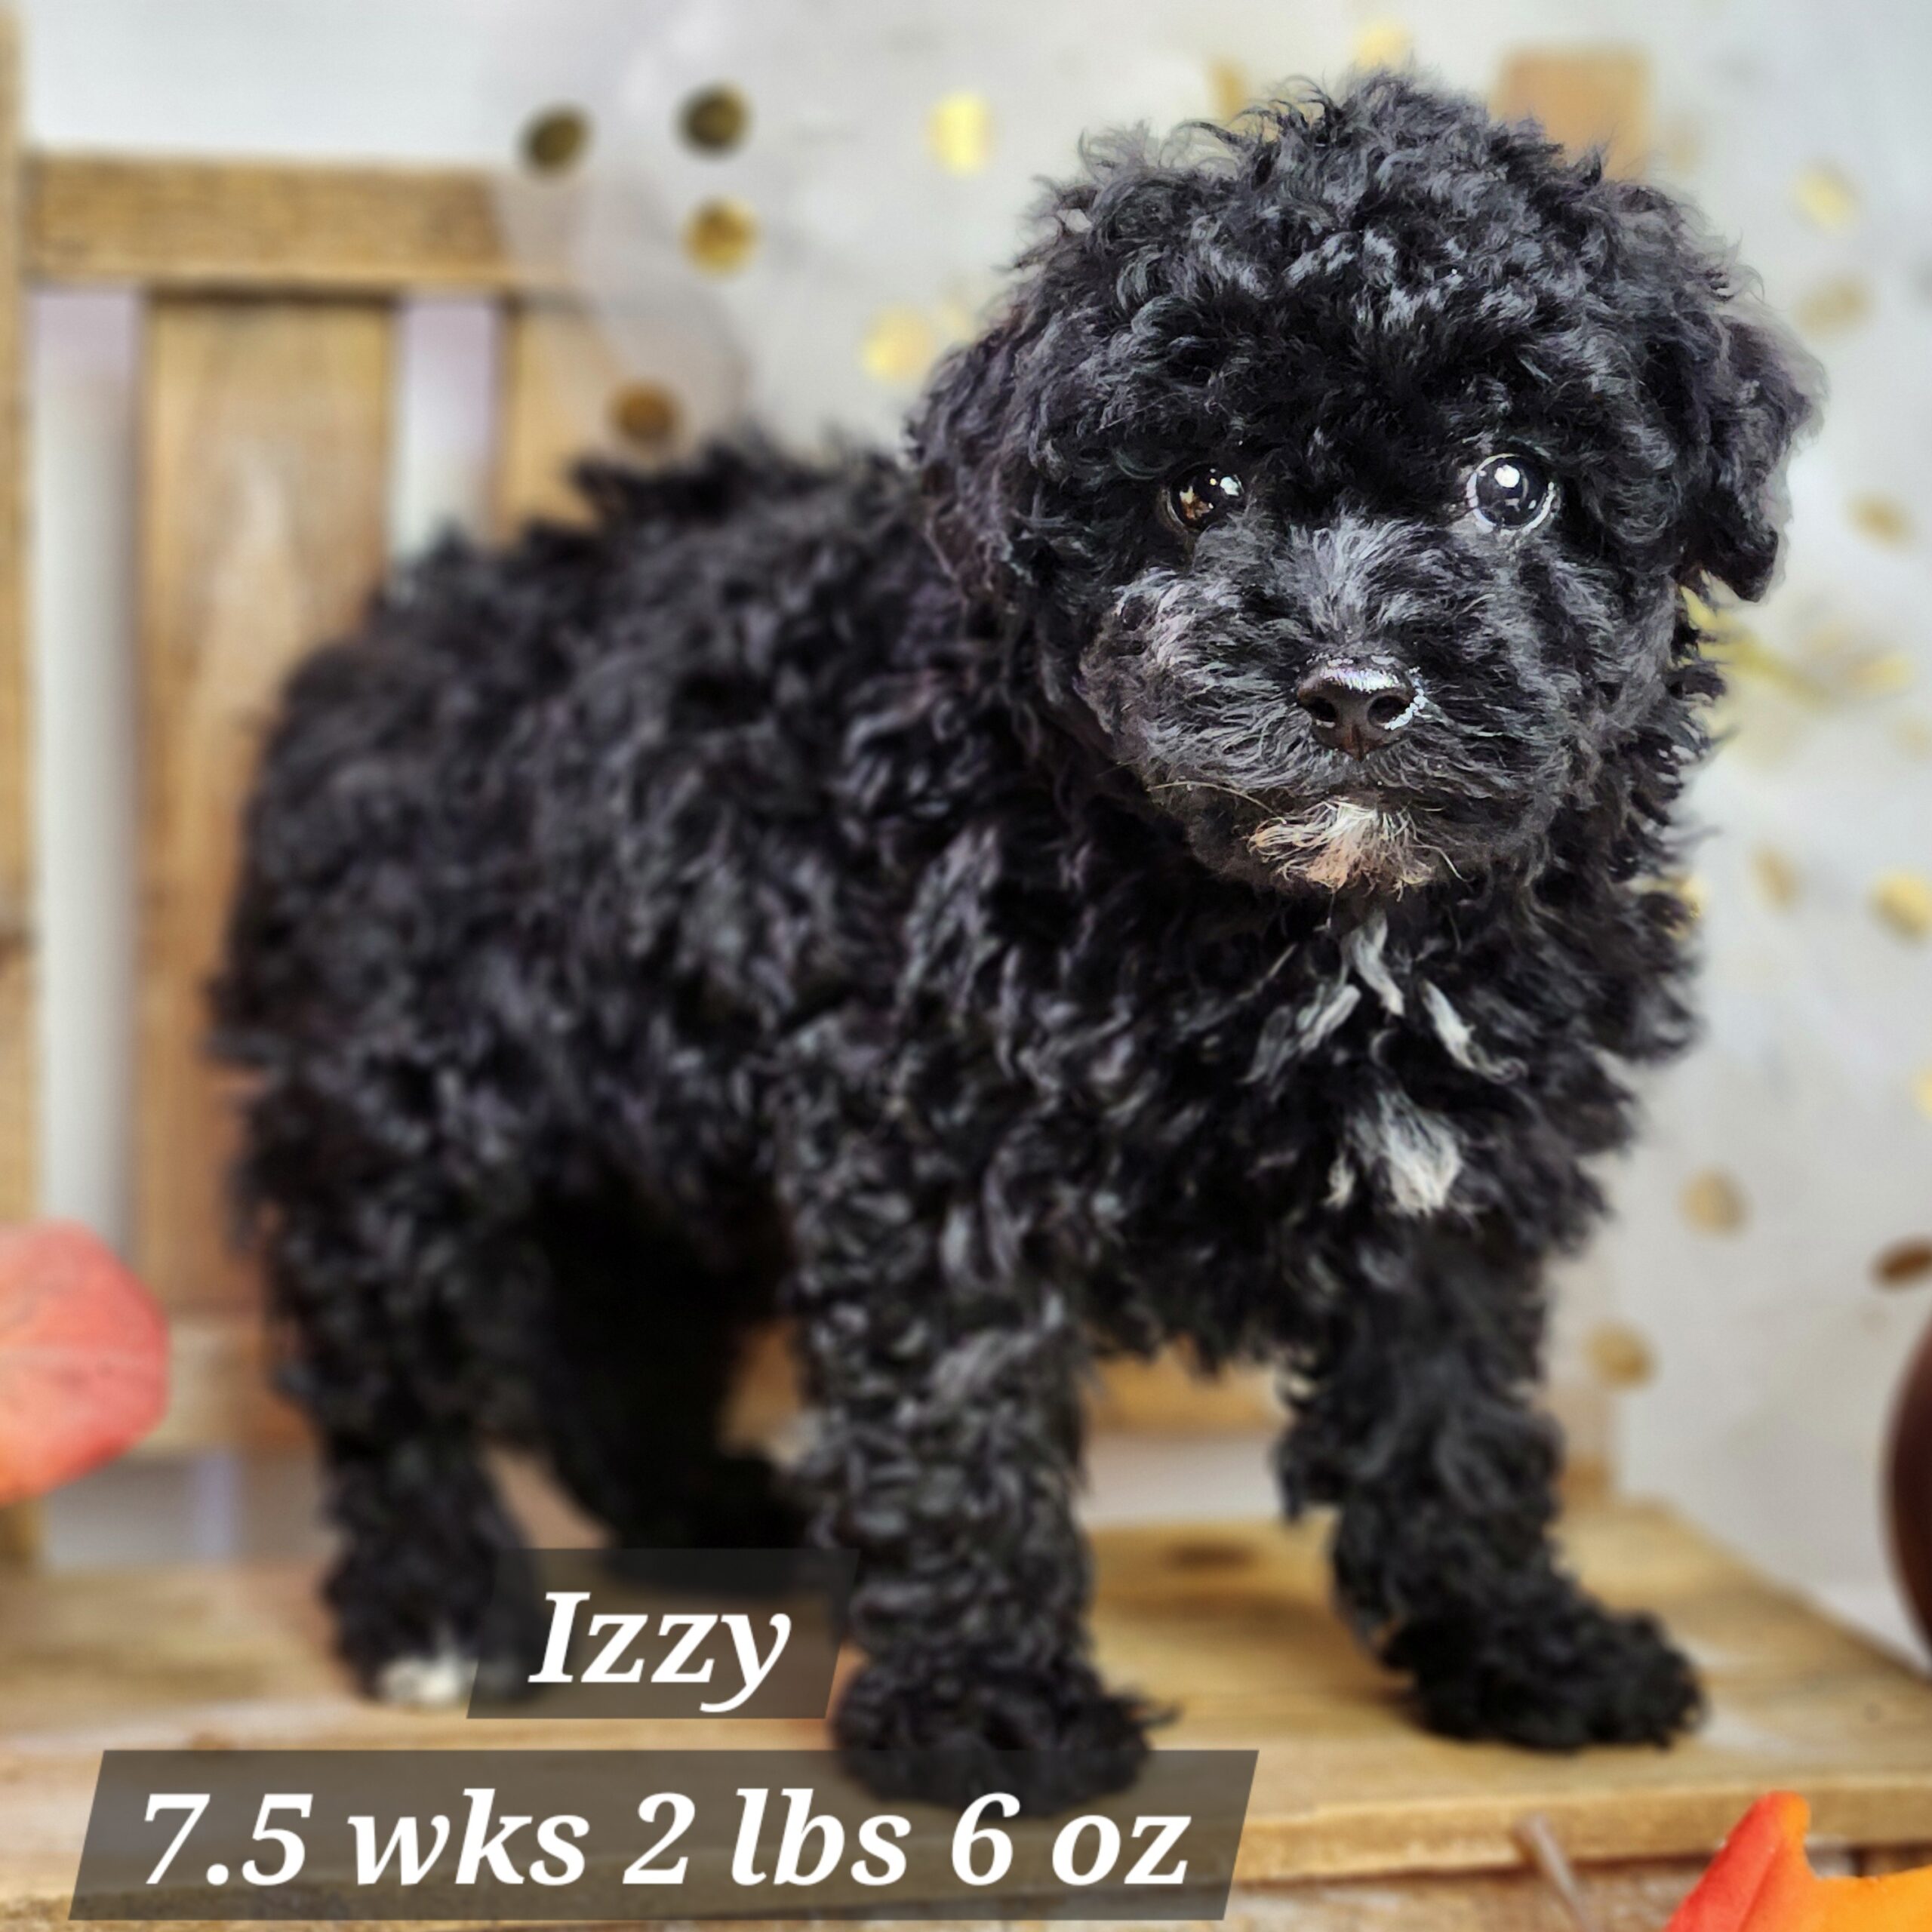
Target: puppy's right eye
<point x="1200" y="498"/>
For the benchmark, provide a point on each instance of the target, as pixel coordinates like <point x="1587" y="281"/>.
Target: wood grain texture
<point x="271" y="227"/>
<point x="263" y="493"/>
<point x="1356" y="1816"/>
<point x="18" y="1170"/>
<point x="558" y="375"/>
<point x="19" y="1182"/>
<point x="220" y="1394"/>
<point x="1583" y="97"/>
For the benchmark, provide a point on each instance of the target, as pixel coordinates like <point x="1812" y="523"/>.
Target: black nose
<point x="1356" y="706"/>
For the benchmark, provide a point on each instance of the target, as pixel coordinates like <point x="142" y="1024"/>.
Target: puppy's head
<point x="1346" y="467"/>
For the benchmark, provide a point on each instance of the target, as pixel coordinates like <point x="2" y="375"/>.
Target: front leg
<point x="947" y="1457"/>
<point x="1418" y="1424"/>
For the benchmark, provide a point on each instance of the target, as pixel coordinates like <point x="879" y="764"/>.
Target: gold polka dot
<point x="1228" y="87"/>
<point x="720" y="236"/>
<point x="1904" y="901"/>
<point x="1776" y="875"/>
<point x="1903" y="1263"/>
<point x="959" y="131"/>
<point x="555" y="141"/>
<point x="1884" y="674"/>
<point x="1693" y="893"/>
<point x="1833" y="307"/>
<point x="1620" y="1356"/>
<point x="1921" y="1091"/>
<point x="714" y="120"/>
<point x="645" y="414"/>
<point x="1824" y="196"/>
<point x="1382" y="44"/>
<point x="898" y="347"/>
<point x="1884" y="519"/>
<point x="1713" y="1203"/>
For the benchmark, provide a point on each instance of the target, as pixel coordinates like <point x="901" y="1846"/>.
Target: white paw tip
<point x="437" y="1682"/>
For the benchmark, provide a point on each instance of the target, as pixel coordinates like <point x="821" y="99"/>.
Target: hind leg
<point x="379" y="1289"/>
<point x="642" y="1332"/>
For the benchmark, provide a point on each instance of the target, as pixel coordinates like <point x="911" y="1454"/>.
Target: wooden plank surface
<point x="220" y="1394"/>
<point x="263" y="505"/>
<point x="270" y="227"/>
<point x="1230" y="1622"/>
<point x="19" y="1176"/>
<point x="558" y="375"/>
<point x="19" y="1183"/>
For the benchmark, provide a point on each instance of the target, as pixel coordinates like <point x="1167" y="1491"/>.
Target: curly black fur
<point x="915" y="899"/>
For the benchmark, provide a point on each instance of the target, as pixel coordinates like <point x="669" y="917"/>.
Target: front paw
<point x="948" y="1731"/>
<point x="1555" y="1676"/>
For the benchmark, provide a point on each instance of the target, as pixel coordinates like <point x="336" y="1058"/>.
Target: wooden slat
<point x="558" y="376"/>
<point x="1231" y="1623"/>
<point x="220" y="1393"/>
<point x="19" y="1178"/>
<point x="20" y="1526"/>
<point x="1583" y="97"/>
<point x="270" y="227"/>
<point x="263" y="481"/>
<point x="1170" y="1396"/>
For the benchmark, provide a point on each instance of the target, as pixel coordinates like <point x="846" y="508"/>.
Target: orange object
<point x="83" y="1357"/>
<point x="1761" y="1882"/>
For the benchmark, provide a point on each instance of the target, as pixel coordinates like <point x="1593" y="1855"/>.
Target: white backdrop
<point x="1790" y="1155"/>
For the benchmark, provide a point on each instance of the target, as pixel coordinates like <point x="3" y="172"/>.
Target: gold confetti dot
<point x="959" y="131"/>
<point x="1904" y="901"/>
<point x="714" y="120"/>
<point x="1227" y="88"/>
<point x="1825" y="196"/>
<point x="645" y="414"/>
<point x="1921" y="1091"/>
<point x="1776" y="876"/>
<point x="1692" y="891"/>
<point x="555" y="141"/>
<point x="1382" y="44"/>
<point x="899" y="347"/>
<point x="1713" y="1203"/>
<point x="1882" y="519"/>
<point x="1833" y="307"/>
<point x="1903" y="1263"/>
<point x="1884" y="674"/>
<point x="1620" y="1356"/>
<point x="721" y="235"/>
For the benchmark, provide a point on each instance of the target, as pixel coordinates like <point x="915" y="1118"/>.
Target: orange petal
<point x="1900" y="1903"/>
<point x="1758" y="1882"/>
<point x="1761" y="1882"/>
<point x="83" y="1357"/>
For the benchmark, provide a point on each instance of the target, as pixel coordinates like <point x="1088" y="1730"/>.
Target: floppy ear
<point x="971" y="443"/>
<point x="1756" y="397"/>
<point x="1734" y="389"/>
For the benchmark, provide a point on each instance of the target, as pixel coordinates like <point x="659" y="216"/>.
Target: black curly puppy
<point x="1178" y="860"/>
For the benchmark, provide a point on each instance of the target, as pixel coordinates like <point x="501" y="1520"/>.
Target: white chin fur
<point x="437" y="1682"/>
<point x="1341" y="841"/>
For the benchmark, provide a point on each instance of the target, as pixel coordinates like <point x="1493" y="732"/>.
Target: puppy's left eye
<point x="1202" y="497"/>
<point x="1510" y="491"/>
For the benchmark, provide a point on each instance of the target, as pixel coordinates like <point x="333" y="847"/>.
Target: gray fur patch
<point x="1416" y="1152"/>
<point x="1459" y="1039"/>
